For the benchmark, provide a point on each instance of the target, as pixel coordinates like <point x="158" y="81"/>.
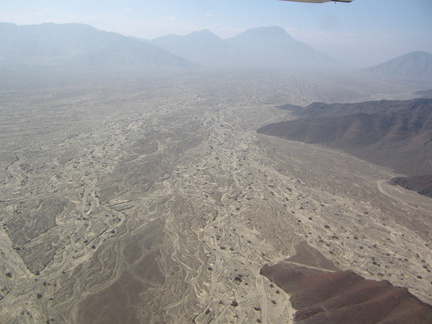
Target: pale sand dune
<point x="171" y="204"/>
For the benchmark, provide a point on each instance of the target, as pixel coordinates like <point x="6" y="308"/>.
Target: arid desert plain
<point x="152" y="199"/>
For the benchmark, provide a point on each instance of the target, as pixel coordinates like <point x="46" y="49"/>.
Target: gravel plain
<point x="155" y="201"/>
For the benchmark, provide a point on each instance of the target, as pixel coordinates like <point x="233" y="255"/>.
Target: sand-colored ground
<point x="159" y="203"/>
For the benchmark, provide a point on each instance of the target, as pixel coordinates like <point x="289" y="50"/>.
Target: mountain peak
<point x="78" y="45"/>
<point x="259" y="47"/>
<point x="420" y="54"/>
<point x="265" y="32"/>
<point x="274" y="47"/>
<point x="202" y="32"/>
<point x="416" y="64"/>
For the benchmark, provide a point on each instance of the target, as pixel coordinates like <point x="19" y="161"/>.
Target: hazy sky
<point x="363" y="32"/>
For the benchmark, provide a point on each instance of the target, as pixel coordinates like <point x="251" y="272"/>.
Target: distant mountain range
<point x="412" y="65"/>
<point x="77" y="45"/>
<point x="257" y="47"/>
<point x="202" y="47"/>
<point x="397" y="134"/>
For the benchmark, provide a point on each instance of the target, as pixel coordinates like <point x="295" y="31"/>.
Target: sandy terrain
<point x="157" y="202"/>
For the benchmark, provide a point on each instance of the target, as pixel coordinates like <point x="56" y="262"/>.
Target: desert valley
<point x="170" y="194"/>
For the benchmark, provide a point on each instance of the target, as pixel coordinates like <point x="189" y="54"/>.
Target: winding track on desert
<point x="161" y="206"/>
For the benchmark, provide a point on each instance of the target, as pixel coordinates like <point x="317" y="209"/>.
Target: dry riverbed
<point x="160" y="204"/>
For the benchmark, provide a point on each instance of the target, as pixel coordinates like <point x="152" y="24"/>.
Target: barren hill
<point x="397" y="134"/>
<point x="416" y="64"/>
<point x="345" y="297"/>
<point x="422" y="184"/>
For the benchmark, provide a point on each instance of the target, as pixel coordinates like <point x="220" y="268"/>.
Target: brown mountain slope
<point x="397" y="134"/>
<point x="344" y="297"/>
<point x="421" y="184"/>
<point x="320" y="109"/>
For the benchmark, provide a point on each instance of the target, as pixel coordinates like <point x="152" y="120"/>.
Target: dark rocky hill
<point x="421" y="184"/>
<point x="397" y="134"/>
<point x="344" y="297"/>
<point x="322" y="293"/>
<point x="319" y="109"/>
